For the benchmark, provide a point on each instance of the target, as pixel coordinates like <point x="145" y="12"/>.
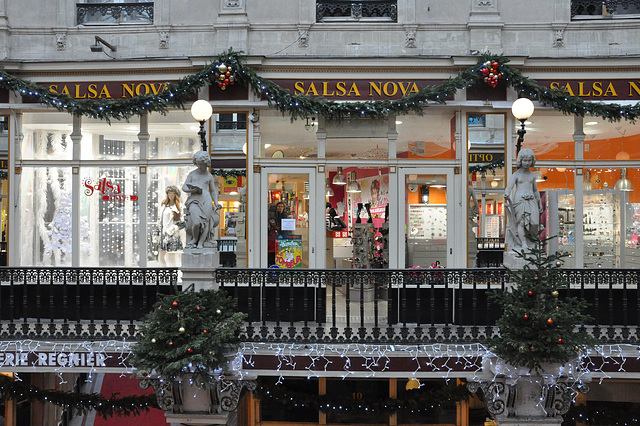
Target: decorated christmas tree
<point x="539" y="323"/>
<point x="188" y="334"/>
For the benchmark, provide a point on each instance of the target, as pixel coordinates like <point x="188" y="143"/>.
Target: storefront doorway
<point x="290" y="203"/>
<point x="427" y="240"/>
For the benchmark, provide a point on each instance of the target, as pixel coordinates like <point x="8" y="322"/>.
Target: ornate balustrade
<point x="308" y="305"/>
<point x="114" y="13"/>
<point x="356" y="10"/>
<point x="604" y="7"/>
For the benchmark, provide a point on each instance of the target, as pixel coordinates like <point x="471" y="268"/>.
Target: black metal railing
<point x="114" y="13"/>
<point x="357" y="10"/>
<point x="604" y="7"/>
<point x="43" y="302"/>
<point x="311" y="305"/>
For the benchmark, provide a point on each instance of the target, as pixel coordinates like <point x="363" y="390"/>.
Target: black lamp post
<point x="521" y="109"/>
<point x="201" y="110"/>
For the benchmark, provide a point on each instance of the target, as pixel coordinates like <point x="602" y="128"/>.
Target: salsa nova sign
<point x="109" y="191"/>
<point x="616" y="89"/>
<point x="355" y="90"/>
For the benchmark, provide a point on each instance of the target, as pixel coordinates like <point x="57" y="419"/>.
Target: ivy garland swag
<point x="417" y="400"/>
<point x="106" y="407"/>
<point x="300" y="106"/>
<point x="188" y="334"/>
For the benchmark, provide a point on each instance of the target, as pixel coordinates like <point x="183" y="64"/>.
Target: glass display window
<point x="426" y="220"/>
<point x="282" y="138"/>
<point x="228" y="131"/>
<point x="357" y="139"/>
<point x="110" y="141"/>
<point x="46" y="136"/>
<point x="45" y="217"/>
<point x="174" y="135"/>
<point x="159" y="180"/>
<point x="604" y="140"/>
<point x="429" y="136"/>
<point x="109" y="216"/>
<point x="550" y="135"/>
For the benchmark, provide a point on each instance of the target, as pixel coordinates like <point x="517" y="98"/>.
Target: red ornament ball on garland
<point x="204" y="331"/>
<point x="170" y="343"/>
<point x="560" y="341"/>
<point x="526" y="317"/>
<point x="531" y="347"/>
<point x="530" y="293"/>
<point x="175" y="303"/>
<point x="550" y="321"/>
<point x="190" y="350"/>
<point x="197" y="308"/>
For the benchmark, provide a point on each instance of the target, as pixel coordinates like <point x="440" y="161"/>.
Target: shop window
<point x="45" y="218"/>
<point x="357" y="138"/>
<point x="288" y="221"/>
<point x="550" y="135"/>
<point x="173" y="136"/>
<point x="604" y="140"/>
<point x="431" y="136"/>
<point x="114" y="12"/>
<point x="46" y="136"/>
<point x="229" y="132"/>
<point x="109" y="216"/>
<point x="426" y="221"/>
<point x="158" y="180"/>
<point x="365" y="10"/>
<point x="282" y="138"/>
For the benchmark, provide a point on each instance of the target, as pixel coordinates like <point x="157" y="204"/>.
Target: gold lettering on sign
<point x="633" y="86"/>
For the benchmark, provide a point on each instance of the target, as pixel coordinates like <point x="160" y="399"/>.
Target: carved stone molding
<point x="558" y="38"/>
<point x="303" y="37"/>
<point x="222" y="395"/>
<point x="513" y="396"/>
<point x="61" y="41"/>
<point x="164" y="39"/>
<point x="410" y="37"/>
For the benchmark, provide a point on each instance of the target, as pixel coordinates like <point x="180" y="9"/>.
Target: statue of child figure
<point x="525" y="208"/>
<point x="201" y="215"/>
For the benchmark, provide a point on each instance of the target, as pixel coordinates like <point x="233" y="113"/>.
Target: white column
<point x="15" y="157"/>
<point x="143" y="139"/>
<point x="578" y="141"/>
<point x="76" y="137"/>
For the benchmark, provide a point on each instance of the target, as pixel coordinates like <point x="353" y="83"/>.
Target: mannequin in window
<point x="169" y="224"/>
<point x="201" y="216"/>
<point x="525" y="206"/>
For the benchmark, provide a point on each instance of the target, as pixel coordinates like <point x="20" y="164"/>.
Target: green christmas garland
<point x="417" y="400"/>
<point x="80" y="402"/>
<point x="489" y="69"/>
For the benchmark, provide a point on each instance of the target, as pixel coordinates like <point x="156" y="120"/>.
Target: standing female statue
<point x="201" y="215"/>
<point x="525" y="208"/>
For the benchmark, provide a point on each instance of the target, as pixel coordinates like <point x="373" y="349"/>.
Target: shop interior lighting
<point x="329" y="192"/>
<point x="424" y="194"/>
<point x="623" y="184"/>
<point x="339" y="178"/>
<point x="353" y="187"/>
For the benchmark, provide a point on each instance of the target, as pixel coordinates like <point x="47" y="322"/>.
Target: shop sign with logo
<point x="106" y="189"/>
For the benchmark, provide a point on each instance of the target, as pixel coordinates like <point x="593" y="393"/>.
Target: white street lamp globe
<point x="201" y="110"/>
<point x="522" y="109"/>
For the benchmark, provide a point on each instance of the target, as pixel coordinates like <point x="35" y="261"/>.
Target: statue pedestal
<point x="198" y="267"/>
<point x="516" y="396"/>
<point x="512" y="261"/>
